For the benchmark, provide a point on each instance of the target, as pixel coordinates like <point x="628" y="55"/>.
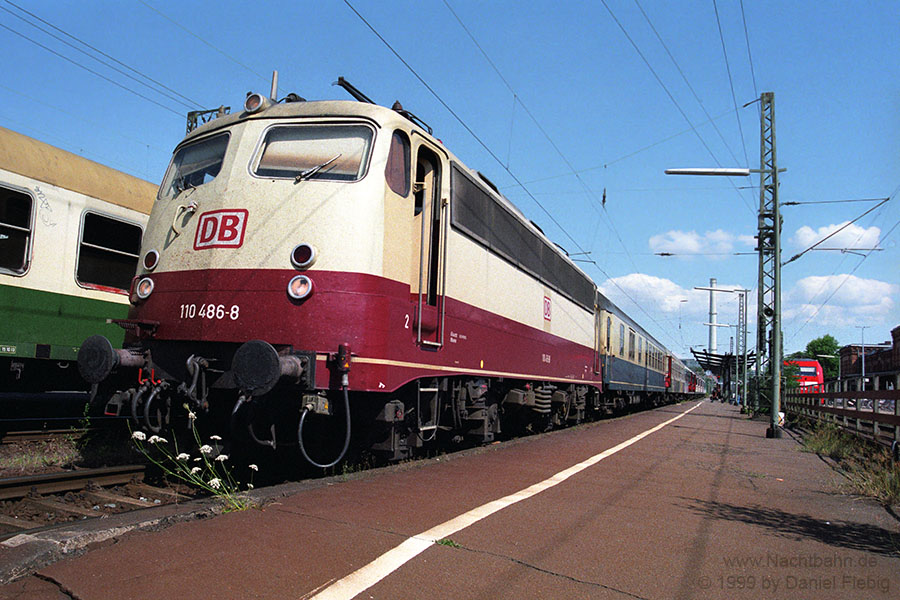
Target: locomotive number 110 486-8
<point x="210" y="311"/>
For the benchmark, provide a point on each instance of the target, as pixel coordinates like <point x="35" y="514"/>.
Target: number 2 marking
<point x="406" y="325"/>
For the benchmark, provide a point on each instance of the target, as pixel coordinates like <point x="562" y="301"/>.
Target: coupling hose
<point x="346" y="436"/>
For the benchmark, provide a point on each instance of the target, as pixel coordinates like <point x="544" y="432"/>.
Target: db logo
<point x="546" y="308"/>
<point x="221" y="229"/>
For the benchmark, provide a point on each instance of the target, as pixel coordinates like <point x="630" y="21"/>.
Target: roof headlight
<point x="303" y="256"/>
<point x="256" y="102"/>
<point x="300" y="287"/>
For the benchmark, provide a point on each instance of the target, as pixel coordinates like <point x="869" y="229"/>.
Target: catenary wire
<point x="169" y="92"/>
<point x="731" y="82"/>
<point x="749" y="54"/>
<point x="672" y="98"/>
<point x="191" y="33"/>
<point x="89" y="70"/>
<point x="497" y="159"/>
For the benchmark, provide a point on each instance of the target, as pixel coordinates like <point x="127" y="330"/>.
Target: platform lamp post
<point x="768" y="316"/>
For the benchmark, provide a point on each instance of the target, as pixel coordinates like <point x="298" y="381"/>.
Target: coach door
<point x="430" y="226"/>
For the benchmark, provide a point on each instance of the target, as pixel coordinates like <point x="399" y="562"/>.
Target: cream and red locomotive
<point x="335" y="258"/>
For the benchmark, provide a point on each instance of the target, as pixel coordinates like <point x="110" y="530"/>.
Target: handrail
<point x="871" y="414"/>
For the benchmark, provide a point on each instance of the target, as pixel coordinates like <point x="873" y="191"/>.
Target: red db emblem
<point x="221" y="229"/>
<point x="546" y="308"/>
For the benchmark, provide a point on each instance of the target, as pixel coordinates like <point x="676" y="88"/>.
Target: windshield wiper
<point x="313" y="170"/>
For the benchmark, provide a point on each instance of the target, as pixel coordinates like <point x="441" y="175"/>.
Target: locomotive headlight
<point x="300" y="287"/>
<point x="144" y="288"/>
<point x="303" y="256"/>
<point x="151" y="259"/>
<point x="255" y="102"/>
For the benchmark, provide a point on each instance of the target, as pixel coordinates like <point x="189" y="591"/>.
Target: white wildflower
<point x="215" y="437"/>
<point x="192" y="416"/>
<point x="195" y="470"/>
<point x="253" y="467"/>
<point x="198" y="459"/>
<point x="183" y="456"/>
<point x="222" y="457"/>
<point x="249" y="486"/>
<point x="154" y="439"/>
<point x="139" y="435"/>
<point x="215" y="483"/>
<point x="206" y="449"/>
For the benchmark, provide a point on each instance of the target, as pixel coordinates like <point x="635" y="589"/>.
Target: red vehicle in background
<point x="810" y="374"/>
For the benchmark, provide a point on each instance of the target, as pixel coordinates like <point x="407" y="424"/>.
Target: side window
<point x="396" y="172"/>
<point x="640" y="349"/>
<point x="621" y="340"/>
<point x="15" y="230"/>
<point x="630" y="344"/>
<point x="108" y="252"/>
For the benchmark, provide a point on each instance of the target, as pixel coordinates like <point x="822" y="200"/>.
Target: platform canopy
<point x="721" y="365"/>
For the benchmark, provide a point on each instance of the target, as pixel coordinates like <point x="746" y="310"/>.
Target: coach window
<point x="630" y="344"/>
<point x="621" y="340"/>
<point x="108" y="253"/>
<point x="640" y="355"/>
<point x="15" y="231"/>
<point x="396" y="172"/>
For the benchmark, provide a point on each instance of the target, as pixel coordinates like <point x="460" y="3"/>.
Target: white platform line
<point x="367" y="576"/>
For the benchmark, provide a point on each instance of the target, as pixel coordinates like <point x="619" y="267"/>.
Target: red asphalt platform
<point x="705" y="507"/>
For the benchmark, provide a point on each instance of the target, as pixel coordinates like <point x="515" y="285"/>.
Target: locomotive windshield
<point x="330" y="152"/>
<point x="194" y="165"/>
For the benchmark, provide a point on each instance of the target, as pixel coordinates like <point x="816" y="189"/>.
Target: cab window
<point x="314" y="152"/>
<point x="194" y="165"/>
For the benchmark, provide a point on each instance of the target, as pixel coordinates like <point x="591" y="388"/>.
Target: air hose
<point x="346" y="437"/>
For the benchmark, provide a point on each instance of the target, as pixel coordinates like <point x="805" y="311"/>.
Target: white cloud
<point x="852" y="299"/>
<point x="853" y="236"/>
<point x="681" y="243"/>
<point x="659" y="295"/>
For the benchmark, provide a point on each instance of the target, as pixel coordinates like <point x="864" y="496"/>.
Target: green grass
<point x="830" y="440"/>
<point x="39" y="456"/>
<point x="448" y="542"/>
<point x="868" y="466"/>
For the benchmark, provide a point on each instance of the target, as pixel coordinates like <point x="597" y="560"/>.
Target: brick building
<point x="882" y="363"/>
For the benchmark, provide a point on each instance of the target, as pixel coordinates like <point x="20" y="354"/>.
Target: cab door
<point x="431" y="216"/>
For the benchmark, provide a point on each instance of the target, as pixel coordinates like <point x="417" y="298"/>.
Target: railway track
<point x="40" y="435"/>
<point x="35" y="501"/>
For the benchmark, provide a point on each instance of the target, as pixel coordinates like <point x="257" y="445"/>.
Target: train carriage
<point x="70" y="232"/>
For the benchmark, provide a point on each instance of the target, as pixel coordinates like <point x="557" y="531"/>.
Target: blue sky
<point x="562" y="102"/>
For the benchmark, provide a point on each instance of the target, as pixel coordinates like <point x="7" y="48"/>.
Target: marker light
<point x="144" y="288"/>
<point x="151" y="259"/>
<point x="300" y="287"/>
<point x="255" y="102"/>
<point x="303" y="256"/>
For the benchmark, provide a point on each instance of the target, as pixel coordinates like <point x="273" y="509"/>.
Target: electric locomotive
<point x="309" y="259"/>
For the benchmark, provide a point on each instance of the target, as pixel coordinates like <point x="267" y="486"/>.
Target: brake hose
<point x="346" y="437"/>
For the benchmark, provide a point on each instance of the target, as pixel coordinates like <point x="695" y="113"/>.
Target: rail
<point x="52" y="483"/>
<point x="874" y="415"/>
